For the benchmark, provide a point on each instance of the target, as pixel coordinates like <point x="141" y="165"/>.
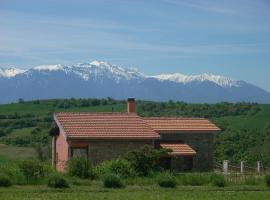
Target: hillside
<point x="245" y="135"/>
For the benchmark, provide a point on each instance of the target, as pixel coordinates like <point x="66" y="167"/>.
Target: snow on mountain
<point x="49" y="67"/>
<point x="10" y="72"/>
<point x="99" y="79"/>
<point x="181" y="78"/>
<point x="96" y="70"/>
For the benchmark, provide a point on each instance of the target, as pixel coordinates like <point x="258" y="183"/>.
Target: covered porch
<point x="180" y="157"/>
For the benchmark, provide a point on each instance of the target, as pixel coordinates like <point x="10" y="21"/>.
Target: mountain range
<point x="99" y="79"/>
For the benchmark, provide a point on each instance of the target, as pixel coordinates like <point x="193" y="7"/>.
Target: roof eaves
<point x="59" y="125"/>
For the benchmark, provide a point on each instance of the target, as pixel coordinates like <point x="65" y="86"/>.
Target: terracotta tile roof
<point x="181" y="125"/>
<point x="105" y="126"/>
<point x="179" y="149"/>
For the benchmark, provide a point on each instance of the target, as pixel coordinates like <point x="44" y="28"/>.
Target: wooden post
<point x="242" y="167"/>
<point x="258" y="167"/>
<point x="225" y="166"/>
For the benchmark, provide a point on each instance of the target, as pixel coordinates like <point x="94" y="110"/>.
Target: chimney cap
<point x="131" y="99"/>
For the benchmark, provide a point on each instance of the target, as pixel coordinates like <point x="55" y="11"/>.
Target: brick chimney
<point x="131" y="105"/>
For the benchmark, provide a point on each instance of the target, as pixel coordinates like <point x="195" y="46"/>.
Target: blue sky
<point x="228" y="37"/>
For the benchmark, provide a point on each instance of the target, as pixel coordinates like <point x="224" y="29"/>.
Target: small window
<point x="79" y="152"/>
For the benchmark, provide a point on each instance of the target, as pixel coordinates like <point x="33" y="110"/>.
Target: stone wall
<point x="101" y="151"/>
<point x="202" y="143"/>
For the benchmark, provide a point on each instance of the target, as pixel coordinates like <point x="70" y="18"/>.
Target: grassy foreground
<point x="134" y="192"/>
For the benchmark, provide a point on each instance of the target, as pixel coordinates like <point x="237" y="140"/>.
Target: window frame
<point x="72" y="150"/>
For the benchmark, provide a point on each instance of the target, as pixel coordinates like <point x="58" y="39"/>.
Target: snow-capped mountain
<point x="185" y="79"/>
<point x="98" y="79"/>
<point x="96" y="70"/>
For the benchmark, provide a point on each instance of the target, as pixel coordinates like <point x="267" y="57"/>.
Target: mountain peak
<point x="99" y="63"/>
<point x="10" y="72"/>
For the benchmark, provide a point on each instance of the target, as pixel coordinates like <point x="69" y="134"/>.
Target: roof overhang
<point x="179" y="149"/>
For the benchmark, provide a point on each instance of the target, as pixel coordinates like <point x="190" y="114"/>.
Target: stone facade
<point x="202" y="143"/>
<point x="99" y="151"/>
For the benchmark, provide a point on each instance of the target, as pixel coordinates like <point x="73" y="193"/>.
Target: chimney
<point x="131" y="105"/>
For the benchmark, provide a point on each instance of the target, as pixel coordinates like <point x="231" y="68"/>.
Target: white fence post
<point x="258" y="167"/>
<point x="242" y="167"/>
<point x="225" y="166"/>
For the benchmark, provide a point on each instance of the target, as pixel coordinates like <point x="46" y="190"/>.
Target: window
<point x="79" y="152"/>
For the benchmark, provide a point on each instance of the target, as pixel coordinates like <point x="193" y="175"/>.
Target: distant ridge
<point x="101" y="79"/>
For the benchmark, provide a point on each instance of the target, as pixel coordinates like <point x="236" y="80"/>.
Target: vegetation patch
<point x="119" y="166"/>
<point x="34" y="171"/>
<point x="57" y="181"/>
<point x="5" y="181"/>
<point x="112" y="181"/>
<point x="145" y="159"/>
<point x="218" y="180"/>
<point x="80" y="167"/>
<point x="267" y="180"/>
<point x="166" y="180"/>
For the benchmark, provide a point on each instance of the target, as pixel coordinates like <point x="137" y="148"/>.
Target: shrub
<point x="112" y="181"/>
<point x="166" y="180"/>
<point x="5" y="181"/>
<point x="120" y="167"/>
<point x="57" y="181"/>
<point x="80" y="167"/>
<point x="267" y="179"/>
<point x="32" y="170"/>
<point x="13" y="172"/>
<point x="145" y="159"/>
<point x="218" y="180"/>
<point x="102" y="169"/>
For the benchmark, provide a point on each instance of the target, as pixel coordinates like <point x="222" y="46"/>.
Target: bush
<point x="120" y="167"/>
<point x="57" y="181"/>
<point x="166" y="180"/>
<point x="5" y="181"/>
<point x="218" y="180"/>
<point x="80" y="167"/>
<point x="32" y="170"/>
<point x="267" y="179"/>
<point x="145" y="159"/>
<point x="112" y="181"/>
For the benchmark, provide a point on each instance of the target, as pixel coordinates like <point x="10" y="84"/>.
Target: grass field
<point x="39" y="109"/>
<point x="94" y="190"/>
<point x="257" y="121"/>
<point x="134" y="193"/>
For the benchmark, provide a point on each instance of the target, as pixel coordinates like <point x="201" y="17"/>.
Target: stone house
<point x="104" y="136"/>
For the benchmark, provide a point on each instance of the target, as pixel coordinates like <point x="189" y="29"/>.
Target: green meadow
<point x="133" y="193"/>
<point x="24" y="135"/>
